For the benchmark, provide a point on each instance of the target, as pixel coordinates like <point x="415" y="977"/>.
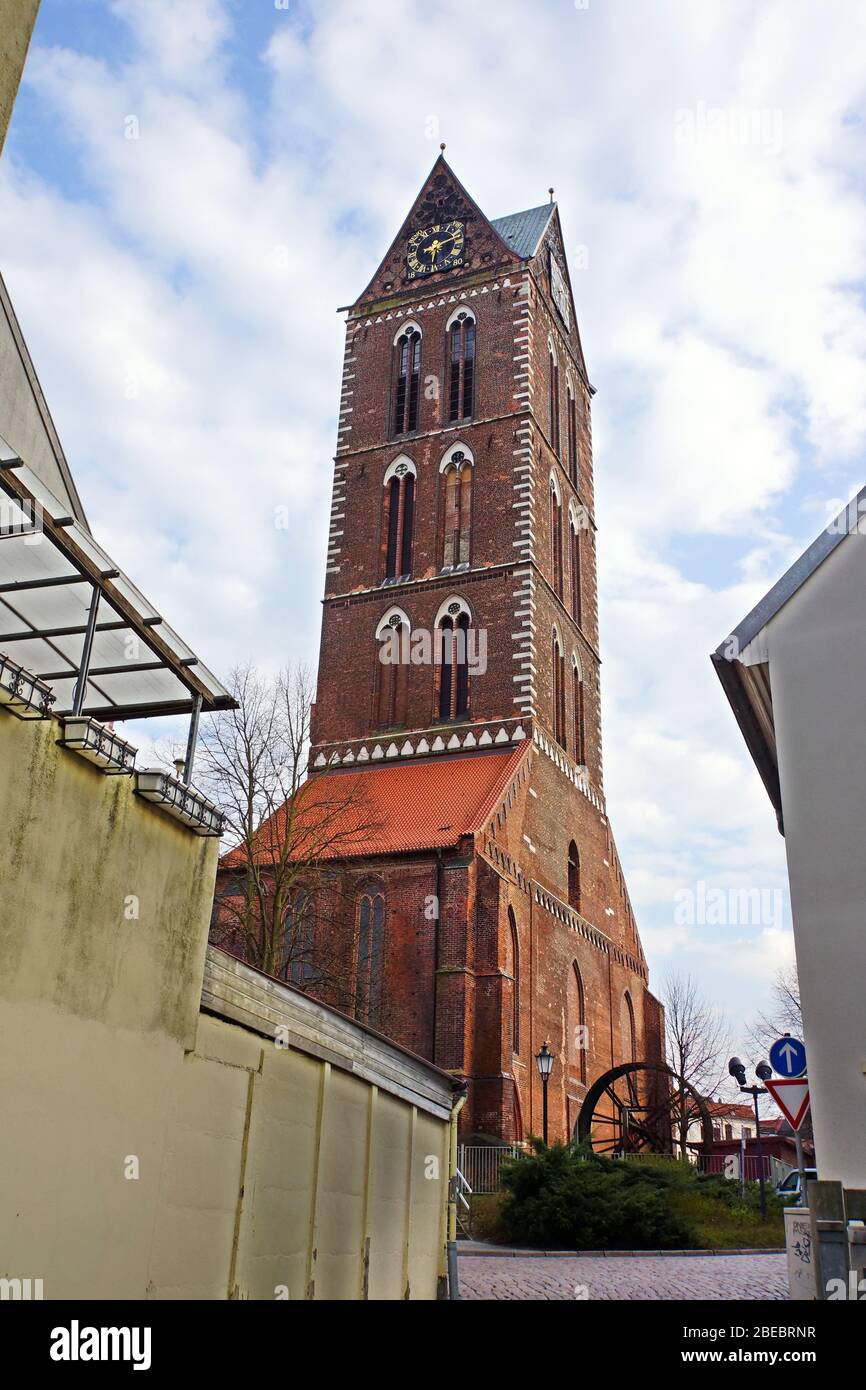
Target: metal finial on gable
<point x="550" y="191"/>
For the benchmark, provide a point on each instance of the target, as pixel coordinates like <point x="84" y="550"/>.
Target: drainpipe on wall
<point x="436" y="939"/>
<point x="531" y="1008"/>
<point x="461" y="1089"/>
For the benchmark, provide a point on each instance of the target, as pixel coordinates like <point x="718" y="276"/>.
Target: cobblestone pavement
<point x="627" y="1277"/>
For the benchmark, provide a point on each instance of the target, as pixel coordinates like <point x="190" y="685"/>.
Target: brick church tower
<point x="459" y="671"/>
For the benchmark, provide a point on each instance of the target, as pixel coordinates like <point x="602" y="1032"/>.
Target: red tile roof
<point x="390" y="808"/>
<point x="732" y="1109"/>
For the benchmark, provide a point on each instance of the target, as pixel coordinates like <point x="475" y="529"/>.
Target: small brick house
<point x="458" y="682"/>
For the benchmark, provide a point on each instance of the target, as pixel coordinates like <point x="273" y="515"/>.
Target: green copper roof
<point x="522" y="231"/>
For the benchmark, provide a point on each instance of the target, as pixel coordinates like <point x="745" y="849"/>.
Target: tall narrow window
<point x="512" y="965"/>
<point x="578" y="715"/>
<point x="629" y="1041"/>
<point x="407" y="350"/>
<point x="453" y="664"/>
<point x="576" y="575"/>
<point x="297" y="963"/>
<point x="399" y="518"/>
<point x="558" y="693"/>
<point x="392" y="675"/>
<point x="368" y="977"/>
<point x="461" y="353"/>
<point x="579" y="1039"/>
<point x="457" y="472"/>
<point x="555" y="538"/>
<point x="572" y="435"/>
<point x="573" y="877"/>
<point x="554" y="403"/>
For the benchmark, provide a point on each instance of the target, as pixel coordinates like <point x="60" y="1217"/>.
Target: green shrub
<point x="563" y="1197"/>
<point x="567" y="1197"/>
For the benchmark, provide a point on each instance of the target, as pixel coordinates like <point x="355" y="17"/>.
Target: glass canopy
<point x="71" y="617"/>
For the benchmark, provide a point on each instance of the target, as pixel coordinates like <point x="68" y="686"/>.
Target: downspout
<point x="531" y="1007"/>
<point x="461" y="1089"/>
<point x="610" y="1003"/>
<point x="436" y="949"/>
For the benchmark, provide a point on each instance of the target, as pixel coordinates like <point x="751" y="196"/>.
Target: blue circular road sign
<point x="788" y="1057"/>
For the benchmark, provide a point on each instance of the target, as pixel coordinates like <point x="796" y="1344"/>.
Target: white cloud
<point x="720" y="311"/>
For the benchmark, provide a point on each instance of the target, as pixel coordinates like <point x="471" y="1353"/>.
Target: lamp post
<point x="763" y="1071"/>
<point x="544" y="1062"/>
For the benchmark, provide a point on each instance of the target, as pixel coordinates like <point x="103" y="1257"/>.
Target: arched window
<point x="407" y="355"/>
<point x="368" y="976"/>
<point x="555" y="536"/>
<point x="579" y="730"/>
<point x="579" y="1035"/>
<point x="629" y="1041"/>
<point x="452" y="633"/>
<point x="512" y="968"/>
<point x="461" y="364"/>
<point x="399" y="521"/>
<point x="297" y="956"/>
<point x="554" y="400"/>
<point x="573" y="877"/>
<point x="558" y="692"/>
<point x="572" y="434"/>
<point x="574" y="529"/>
<point x="391" y="686"/>
<point x="456" y="469"/>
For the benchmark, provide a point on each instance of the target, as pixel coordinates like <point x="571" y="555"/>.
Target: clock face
<point x="559" y="290"/>
<point x="435" y="248"/>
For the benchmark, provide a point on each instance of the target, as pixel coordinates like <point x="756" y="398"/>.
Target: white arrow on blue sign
<point x="788" y="1057"/>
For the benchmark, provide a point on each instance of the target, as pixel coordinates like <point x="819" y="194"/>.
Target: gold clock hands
<point x="436" y="246"/>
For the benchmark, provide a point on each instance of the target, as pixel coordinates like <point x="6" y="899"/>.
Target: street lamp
<point x="763" y="1071"/>
<point x="544" y="1062"/>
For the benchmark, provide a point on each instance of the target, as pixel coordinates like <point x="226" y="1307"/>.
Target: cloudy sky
<point x="189" y="190"/>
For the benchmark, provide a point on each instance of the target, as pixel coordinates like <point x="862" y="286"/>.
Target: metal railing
<point x="747" y="1168"/>
<point x="481" y="1164"/>
<point x="725" y="1165"/>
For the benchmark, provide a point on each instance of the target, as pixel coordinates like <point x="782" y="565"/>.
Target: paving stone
<point x="646" y="1277"/>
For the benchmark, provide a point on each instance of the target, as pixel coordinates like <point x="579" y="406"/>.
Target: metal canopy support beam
<point x="45" y="632"/>
<point x="131" y="668"/>
<point x="192" y="740"/>
<point x="20" y="586"/>
<point x="86" y="650"/>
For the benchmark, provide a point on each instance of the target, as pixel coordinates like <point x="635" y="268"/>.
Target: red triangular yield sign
<point x="792" y="1098"/>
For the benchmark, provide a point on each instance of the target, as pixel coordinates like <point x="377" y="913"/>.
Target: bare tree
<point x="280" y="876"/>
<point x="785" y="1016"/>
<point x="696" y="1040"/>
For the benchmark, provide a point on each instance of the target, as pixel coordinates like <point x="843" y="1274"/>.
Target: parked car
<point x="789" y="1188"/>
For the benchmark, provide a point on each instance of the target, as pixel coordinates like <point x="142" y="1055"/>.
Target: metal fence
<point x="731" y="1165"/>
<point x="480" y="1164"/>
<point x="737" y="1167"/>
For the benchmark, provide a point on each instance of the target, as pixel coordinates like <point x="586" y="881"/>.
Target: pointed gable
<point x="442" y="199"/>
<point x="550" y="252"/>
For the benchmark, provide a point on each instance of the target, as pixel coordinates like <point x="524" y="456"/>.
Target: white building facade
<point x="795" y="674"/>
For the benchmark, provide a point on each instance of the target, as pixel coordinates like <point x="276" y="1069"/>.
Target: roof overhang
<point x="742" y="659"/>
<point x="748" y="692"/>
<point x="65" y="605"/>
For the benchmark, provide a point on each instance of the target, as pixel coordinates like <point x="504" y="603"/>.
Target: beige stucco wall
<point x="17" y="18"/>
<point x="148" y="1148"/>
<point x="816" y="646"/>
